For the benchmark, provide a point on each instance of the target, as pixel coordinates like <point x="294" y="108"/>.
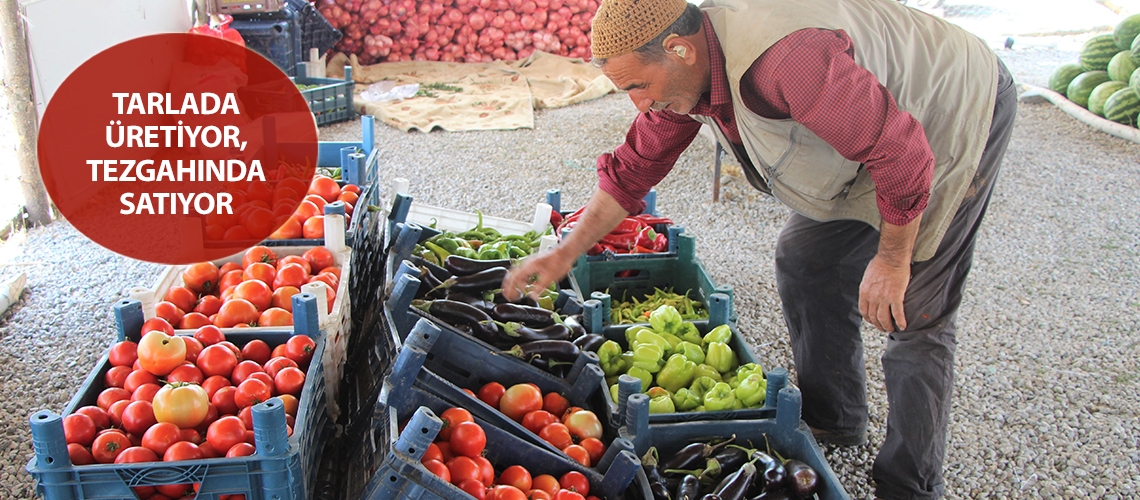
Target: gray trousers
<point x="819" y="266"/>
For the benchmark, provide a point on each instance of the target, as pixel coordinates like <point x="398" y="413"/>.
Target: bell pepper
<point x="701" y="385"/>
<point x="690" y="333"/>
<point x="751" y="390"/>
<point x="651" y="239"/>
<point x="677" y="373"/>
<point x="719" y="398"/>
<point x="685" y="399"/>
<point x="691" y="351"/>
<point x="704" y="370"/>
<point x="647" y="336"/>
<point x="610" y="359"/>
<point x="490" y="253"/>
<point x="660" y="401"/>
<point x="673" y="340"/>
<point x="649" y="357"/>
<point x="720" y="356"/>
<point x="666" y="319"/>
<point x="720" y="334"/>
<point x="747" y="369"/>
<point x="645" y="376"/>
<point x="631" y="334"/>
<point x="614" y="393"/>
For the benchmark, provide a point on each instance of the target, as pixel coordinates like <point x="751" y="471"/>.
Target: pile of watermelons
<point x="1106" y="81"/>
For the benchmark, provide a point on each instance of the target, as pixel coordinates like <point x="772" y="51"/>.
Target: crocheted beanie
<point x="620" y="26"/>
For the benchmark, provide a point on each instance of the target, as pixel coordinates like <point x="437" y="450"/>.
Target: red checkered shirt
<point x="811" y="77"/>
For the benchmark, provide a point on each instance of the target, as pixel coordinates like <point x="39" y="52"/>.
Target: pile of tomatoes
<point x="574" y="430"/>
<point x="170" y="398"/>
<point x="456" y="456"/>
<point x="308" y="220"/>
<point x="258" y="291"/>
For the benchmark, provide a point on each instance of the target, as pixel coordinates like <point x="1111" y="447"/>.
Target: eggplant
<point x="525" y="300"/>
<point x="439" y="273"/>
<point x="657" y="483"/>
<point x="553" y="350"/>
<point x="576" y="328"/>
<point x="691" y="455"/>
<point x="774" y="495"/>
<point x="535" y="317"/>
<point x="460" y="313"/>
<point x="772" y="475"/>
<point x="711" y="496"/>
<point x="467" y="298"/>
<point x="727" y="459"/>
<point x="588" y="342"/>
<point x="804" y="479"/>
<point x="515" y="332"/>
<point x="462" y="266"/>
<point x="688" y="488"/>
<point x="734" y="485"/>
<point x="481" y="281"/>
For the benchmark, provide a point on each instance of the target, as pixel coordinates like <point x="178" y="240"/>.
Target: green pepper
<point x="677" y="373"/>
<point x="691" y="351"/>
<point x="641" y="373"/>
<point x="685" y="399"/>
<point x="673" y="340"/>
<point x="701" y="385"/>
<point x="631" y="333"/>
<point x="429" y="256"/>
<point x="751" y="390"/>
<point x="649" y="337"/>
<point x="719" y="398"/>
<point x="660" y="401"/>
<point x="488" y="253"/>
<point x="614" y="393"/>
<point x="720" y="356"/>
<point x="649" y="357"/>
<point x="449" y="244"/>
<point x="720" y="334"/>
<point x="439" y="252"/>
<point x="467" y="251"/>
<point x="690" y="333"/>
<point x="610" y="359"/>
<point x="747" y="369"/>
<point x="666" y="319"/>
<point x="516" y="252"/>
<point x="704" y="370"/>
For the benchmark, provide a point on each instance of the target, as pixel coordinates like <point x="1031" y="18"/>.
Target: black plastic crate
<point x="276" y="36"/>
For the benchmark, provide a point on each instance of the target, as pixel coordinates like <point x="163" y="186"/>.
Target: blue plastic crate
<point x="554" y="199"/>
<point x="788" y="435"/>
<point x="282" y="468"/>
<point x="329" y="99"/>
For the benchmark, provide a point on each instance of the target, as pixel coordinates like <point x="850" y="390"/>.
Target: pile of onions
<point x="460" y="30"/>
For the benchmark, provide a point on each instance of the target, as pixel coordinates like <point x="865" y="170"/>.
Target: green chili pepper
<point x="685" y="400"/>
<point x="677" y="373"/>
<point x="720" y="334"/>
<point x="660" y="401"/>
<point x="488" y="253"/>
<point x="691" y="351"/>
<point x="720" y="356"/>
<point x="704" y="370"/>
<point x="467" y="251"/>
<point x="448" y="244"/>
<point x="440" y="253"/>
<point x="517" y="252"/>
<point x="719" y="398"/>
<point x="610" y="359"/>
<point x="645" y="376"/>
<point x="751" y="390"/>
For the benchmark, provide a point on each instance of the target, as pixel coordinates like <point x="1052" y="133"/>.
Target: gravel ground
<point x="1045" y="403"/>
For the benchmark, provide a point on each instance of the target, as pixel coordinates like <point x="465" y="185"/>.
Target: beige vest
<point x="942" y="75"/>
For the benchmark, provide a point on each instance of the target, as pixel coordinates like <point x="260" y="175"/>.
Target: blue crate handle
<point x="554" y="199"/>
<point x="51" y="453"/>
<point x="272" y="443"/>
<point x="592" y="316"/>
<point x="419" y="433"/>
<point x="408" y="237"/>
<point x="673" y="234"/>
<point x="401" y="204"/>
<point x="619" y="445"/>
<point x="567" y="302"/>
<point x="129" y="319"/>
<point x="403" y="292"/>
<point x="718" y="309"/>
<point x="777" y="381"/>
<point x="606" y="301"/>
<point x="306" y="321"/>
<point x="335" y="208"/>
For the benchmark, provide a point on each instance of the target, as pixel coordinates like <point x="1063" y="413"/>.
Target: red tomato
<point x="223" y="400"/>
<point x="157" y="325"/>
<point x="335" y="271"/>
<point x="578" y="453"/>
<point x="211" y="416"/>
<point x="278" y="351"/>
<point x="138" y="417"/>
<point x="275" y="316"/>
<point x="290" y="229"/>
<point x="243" y="370"/>
<point x="325" y="187"/>
<point x="256" y="350"/>
<point x="432" y="453"/>
<point x="217" y="360"/>
<point x="584" y="424"/>
<point x="289" y="381"/>
<point x="474" y="488"/>
<point x="160" y="436"/>
<point x="260" y="271"/>
<point x="556" y="434"/>
<point x="212" y="384"/>
<point x="327" y="278"/>
<point x="517" y="476"/>
<point x="595" y="447"/>
<point x="98" y="415"/>
<point x="451" y="418"/>
<point x="136" y="454"/>
<point x="319" y="258"/>
<point x="195" y="320"/>
<point x="201" y="277"/>
<point x="137" y="378"/>
<point x="186" y="373"/>
<point x="207" y="450"/>
<point x="193" y="347"/>
<point x="264" y="378"/>
<point x="538" y="495"/>
<point x="191" y="435"/>
<point x="229" y="266"/>
<point x="209" y="335"/>
<point x="232" y="347"/>
<point x="464" y="468"/>
<point x="182" y="450"/>
<point x="209" y="305"/>
<point x="177" y="491"/>
<point x="575" y="481"/>
<point x="314" y="227"/>
<point x="555" y="404"/>
<point x="519" y="400"/>
<point x="115" y="411"/>
<point x="534" y="421"/>
<point x="145" y="392"/>
<point x="291" y="275"/>
<point x="123" y="353"/>
<point x="296" y="259"/>
<point x="283" y="297"/>
<point x="487" y="469"/>
<point x="169" y="312"/>
<point x="225" y="432"/>
<point x="436" y="467"/>
<point x="230" y="280"/>
<point x="507" y="492"/>
<point x="468" y="439"/>
<point x="299" y="348"/>
<point x="567" y="495"/>
<point x="79" y="429"/>
<point x="109" y="445"/>
<point x="79" y="455"/>
<point x="242" y="449"/>
<point x="236" y="311"/>
<point x="251" y="392"/>
<point x="160" y="353"/>
<point x="491" y="393"/>
<point x="182" y="297"/>
<point x="547" y="483"/>
<point x="111" y="395"/>
<point x="259" y="253"/>
<point x="348" y="197"/>
<point x="350" y="188"/>
<point x="305" y="210"/>
<point x="276" y="363"/>
<point x="117" y="376"/>
<point x="318" y="202"/>
<point x="255" y="291"/>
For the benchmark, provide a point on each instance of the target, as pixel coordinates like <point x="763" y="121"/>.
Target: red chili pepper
<point x="628" y="225"/>
<point x="555" y="218"/>
<point x="653" y="220"/>
<point x="622" y="243"/>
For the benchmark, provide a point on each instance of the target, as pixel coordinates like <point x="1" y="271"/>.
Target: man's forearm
<point x="603" y="213"/>
<point x="896" y="243"/>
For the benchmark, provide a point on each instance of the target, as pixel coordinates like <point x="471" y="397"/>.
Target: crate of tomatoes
<point x="255" y="289"/>
<point x="166" y="415"/>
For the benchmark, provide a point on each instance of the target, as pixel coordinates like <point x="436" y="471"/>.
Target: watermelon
<point x="1126" y="31"/>
<point x="1134" y="81"/>
<point x="1097" y="52"/>
<point x="1064" y="74"/>
<point x="1101" y="94"/>
<point x="1136" y="52"/>
<point x="1123" y="107"/>
<point x="1082" y="86"/>
<point x="1121" y="66"/>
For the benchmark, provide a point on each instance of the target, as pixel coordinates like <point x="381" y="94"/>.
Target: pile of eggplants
<point x="720" y="470"/>
<point x="466" y="294"/>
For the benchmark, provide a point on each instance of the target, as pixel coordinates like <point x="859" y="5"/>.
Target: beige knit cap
<point x="620" y="26"/>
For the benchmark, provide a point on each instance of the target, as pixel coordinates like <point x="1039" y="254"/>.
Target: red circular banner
<point x="177" y="148"/>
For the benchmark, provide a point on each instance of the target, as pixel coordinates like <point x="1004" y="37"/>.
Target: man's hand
<point x="536" y="274"/>
<point x="884" y="283"/>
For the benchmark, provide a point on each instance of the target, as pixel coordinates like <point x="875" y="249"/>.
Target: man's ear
<point x="676" y="45"/>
